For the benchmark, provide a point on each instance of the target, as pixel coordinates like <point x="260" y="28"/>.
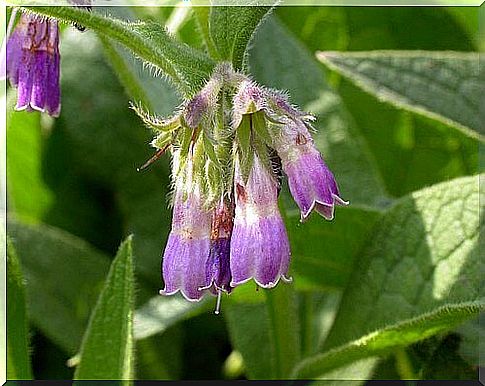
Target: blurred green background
<point x="76" y="176"/>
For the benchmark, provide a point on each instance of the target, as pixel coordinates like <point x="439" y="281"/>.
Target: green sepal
<point x="244" y="138"/>
<point x="261" y="128"/>
<point x="162" y="140"/>
<point x="209" y="148"/>
<point x="156" y="123"/>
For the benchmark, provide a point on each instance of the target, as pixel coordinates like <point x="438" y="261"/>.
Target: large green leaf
<point x="64" y="275"/>
<point x="249" y="326"/>
<point x="284" y="331"/>
<point x="232" y="27"/>
<point x="279" y="60"/>
<point x="186" y="67"/>
<point x="153" y="92"/>
<point x="323" y="253"/>
<point x="441" y="85"/>
<point x="419" y="275"/>
<point x="28" y="194"/>
<point x="18" y="361"/>
<point x="107" y="347"/>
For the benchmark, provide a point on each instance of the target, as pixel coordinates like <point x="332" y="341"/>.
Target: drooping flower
<point x="32" y="64"/>
<point x="218" y="274"/>
<point x="187" y="250"/>
<point x="259" y="245"/>
<point x="311" y="182"/>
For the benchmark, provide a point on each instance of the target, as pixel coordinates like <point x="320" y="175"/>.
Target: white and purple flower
<point x="187" y="250"/>
<point x="260" y="248"/>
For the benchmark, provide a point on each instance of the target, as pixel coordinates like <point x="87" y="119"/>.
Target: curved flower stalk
<point x="260" y="248"/>
<point x="32" y="64"/>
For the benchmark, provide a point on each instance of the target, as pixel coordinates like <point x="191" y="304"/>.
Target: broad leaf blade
<point x="420" y="275"/>
<point x="442" y="85"/>
<point x="249" y="326"/>
<point x="284" y="331"/>
<point x="64" y="275"/>
<point x="231" y="29"/>
<point x="186" y="67"/>
<point x="160" y="313"/>
<point x="18" y="361"/>
<point x="385" y="340"/>
<point x="29" y="197"/>
<point x="154" y="93"/>
<point x="107" y="348"/>
<point x="323" y="253"/>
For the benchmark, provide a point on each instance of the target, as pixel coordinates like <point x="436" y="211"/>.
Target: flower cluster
<point x="226" y="227"/>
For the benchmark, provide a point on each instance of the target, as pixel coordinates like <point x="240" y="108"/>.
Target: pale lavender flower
<point x="311" y="182"/>
<point x="259" y="245"/>
<point x="187" y="250"/>
<point x="33" y="64"/>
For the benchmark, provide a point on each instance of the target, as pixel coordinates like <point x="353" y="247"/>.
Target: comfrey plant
<point x="228" y="143"/>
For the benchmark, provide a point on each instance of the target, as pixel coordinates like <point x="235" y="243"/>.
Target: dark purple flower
<point x="33" y="64"/>
<point x="259" y="245"/>
<point x="218" y="274"/>
<point x="311" y="182"/>
<point x="187" y="249"/>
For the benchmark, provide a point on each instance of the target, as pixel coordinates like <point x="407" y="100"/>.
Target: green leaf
<point x="232" y="28"/>
<point x="419" y="275"/>
<point x="18" y="361"/>
<point x="385" y="340"/>
<point x="249" y="326"/>
<point x="279" y="60"/>
<point x="29" y="196"/>
<point x="109" y="337"/>
<point x="202" y="15"/>
<point x="438" y="358"/>
<point x="267" y="335"/>
<point x="186" y="67"/>
<point x="160" y="313"/>
<point x="323" y="253"/>
<point x="154" y="93"/>
<point x="64" y="275"/>
<point x="441" y="85"/>
<point x="472" y="336"/>
<point x="284" y="330"/>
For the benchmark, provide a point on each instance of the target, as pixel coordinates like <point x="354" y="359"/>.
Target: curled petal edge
<point x="269" y="285"/>
<point x="336" y="201"/>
